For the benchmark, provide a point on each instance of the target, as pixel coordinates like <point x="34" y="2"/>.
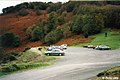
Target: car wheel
<point x="48" y="54"/>
<point x="60" y="54"/>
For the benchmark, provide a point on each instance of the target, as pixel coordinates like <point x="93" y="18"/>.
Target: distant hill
<point x="35" y="22"/>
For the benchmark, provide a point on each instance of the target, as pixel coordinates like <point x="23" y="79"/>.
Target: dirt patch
<point x="73" y="40"/>
<point x="22" y="47"/>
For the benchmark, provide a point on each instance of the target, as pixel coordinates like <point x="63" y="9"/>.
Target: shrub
<point x="9" y="57"/>
<point x="92" y="24"/>
<point x="69" y="6"/>
<point x="53" y="36"/>
<point x="16" y="41"/>
<point x="7" y="39"/>
<point x="61" y="20"/>
<point x="66" y="31"/>
<point x="51" y="23"/>
<point x="23" y="12"/>
<point x="9" y="68"/>
<point x="10" y="40"/>
<point x="100" y="74"/>
<point x="38" y="12"/>
<point x="53" y="7"/>
<point x="77" y="24"/>
<point x="37" y="32"/>
<point x="85" y="35"/>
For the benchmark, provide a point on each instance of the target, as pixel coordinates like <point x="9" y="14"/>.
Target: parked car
<point x="102" y="47"/>
<point x="54" y="47"/>
<point x="63" y="46"/>
<point x="55" y="52"/>
<point x="91" y="46"/>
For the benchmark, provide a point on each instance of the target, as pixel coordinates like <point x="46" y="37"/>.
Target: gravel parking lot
<point x="77" y="64"/>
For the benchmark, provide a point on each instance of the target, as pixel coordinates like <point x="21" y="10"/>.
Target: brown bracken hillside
<point x="16" y="24"/>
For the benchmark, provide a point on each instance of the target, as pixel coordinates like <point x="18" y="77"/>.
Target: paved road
<point x="78" y="64"/>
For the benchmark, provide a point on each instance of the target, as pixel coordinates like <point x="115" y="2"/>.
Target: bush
<point x="61" y="20"/>
<point x="66" y="31"/>
<point x="10" y="68"/>
<point x="38" y="12"/>
<point x="85" y="35"/>
<point x="9" y="57"/>
<point x="92" y="24"/>
<point x="7" y="39"/>
<point x="77" y="24"/>
<point x="51" y="22"/>
<point x="53" y="7"/>
<point x="16" y="41"/>
<point x="16" y="67"/>
<point x="53" y="37"/>
<point x="10" y="40"/>
<point x="100" y="74"/>
<point x="37" y="32"/>
<point x="69" y="6"/>
<point x="23" y="12"/>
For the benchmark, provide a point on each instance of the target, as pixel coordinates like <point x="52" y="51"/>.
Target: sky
<point x="7" y="3"/>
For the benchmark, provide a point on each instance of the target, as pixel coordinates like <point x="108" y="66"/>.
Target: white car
<point x="64" y="46"/>
<point x="54" y="47"/>
<point x="55" y="52"/>
<point x="102" y="47"/>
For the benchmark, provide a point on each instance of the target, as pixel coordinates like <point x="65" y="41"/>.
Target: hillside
<point x="38" y="23"/>
<point x="16" y="24"/>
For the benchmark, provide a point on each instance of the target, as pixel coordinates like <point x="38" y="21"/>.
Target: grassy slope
<point x="112" y="40"/>
<point x="28" y="60"/>
<point x="113" y="72"/>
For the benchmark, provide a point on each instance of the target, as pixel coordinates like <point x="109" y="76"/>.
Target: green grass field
<point x="112" y="39"/>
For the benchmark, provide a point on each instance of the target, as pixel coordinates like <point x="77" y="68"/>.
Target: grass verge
<point x="112" y="40"/>
<point x="27" y="60"/>
<point x="111" y="74"/>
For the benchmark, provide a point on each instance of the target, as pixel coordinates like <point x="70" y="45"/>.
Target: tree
<point x="77" y="24"/>
<point x="66" y="31"/>
<point x="53" y="36"/>
<point x="16" y="41"/>
<point x="38" y="5"/>
<point x="38" y="12"/>
<point x="37" y="33"/>
<point x="23" y="12"/>
<point x="61" y="20"/>
<point x="10" y="40"/>
<point x="51" y="22"/>
<point x="69" y="6"/>
<point x="53" y="7"/>
<point x="7" y="39"/>
<point x="28" y="32"/>
<point x="92" y="24"/>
